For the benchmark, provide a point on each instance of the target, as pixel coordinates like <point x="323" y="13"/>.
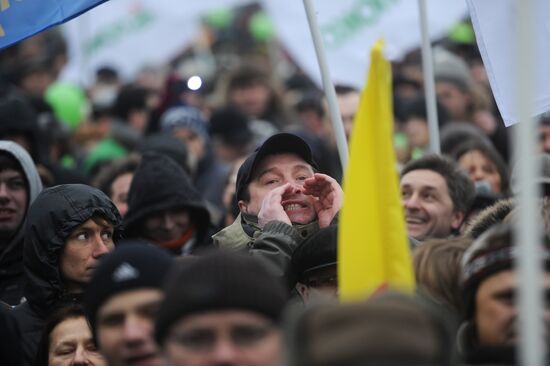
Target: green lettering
<point x="361" y="14"/>
<point x="117" y="31"/>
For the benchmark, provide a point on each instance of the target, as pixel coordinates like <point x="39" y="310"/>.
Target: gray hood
<point x="11" y="254"/>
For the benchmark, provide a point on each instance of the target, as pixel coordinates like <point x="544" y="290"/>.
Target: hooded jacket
<point x="11" y="253"/>
<point x="53" y="216"/>
<point x="274" y="244"/>
<point x="161" y="184"/>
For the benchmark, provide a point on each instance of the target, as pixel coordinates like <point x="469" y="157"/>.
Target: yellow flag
<point x="373" y="250"/>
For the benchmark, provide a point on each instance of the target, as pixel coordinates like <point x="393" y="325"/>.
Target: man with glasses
<point x="221" y="309"/>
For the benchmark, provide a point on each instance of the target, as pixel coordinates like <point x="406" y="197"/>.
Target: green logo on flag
<point x="362" y="13"/>
<point x="119" y="30"/>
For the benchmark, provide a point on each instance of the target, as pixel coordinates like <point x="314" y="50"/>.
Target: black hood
<point x="55" y="213"/>
<point x="160" y="184"/>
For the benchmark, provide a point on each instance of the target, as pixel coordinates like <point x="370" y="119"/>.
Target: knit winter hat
<point x="219" y="281"/>
<point x="184" y="117"/>
<point x="451" y="68"/>
<point x="132" y="265"/>
<point x="492" y="252"/>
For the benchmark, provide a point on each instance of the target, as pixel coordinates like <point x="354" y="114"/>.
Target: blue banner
<point x="20" y="19"/>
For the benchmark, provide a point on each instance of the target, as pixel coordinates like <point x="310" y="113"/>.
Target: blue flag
<point x="20" y="19"/>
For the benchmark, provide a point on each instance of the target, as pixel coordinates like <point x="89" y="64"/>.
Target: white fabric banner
<point x="495" y="25"/>
<point x="350" y="28"/>
<point x="130" y="34"/>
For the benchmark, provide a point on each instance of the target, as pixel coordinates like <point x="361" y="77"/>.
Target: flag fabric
<point x="153" y="31"/>
<point x="496" y="28"/>
<point x="373" y="250"/>
<point x="349" y="28"/>
<point x="20" y="19"/>
<point x="132" y="34"/>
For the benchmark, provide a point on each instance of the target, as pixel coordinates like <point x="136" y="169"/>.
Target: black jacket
<point x="161" y="184"/>
<point x="12" y="278"/>
<point x="55" y="213"/>
<point x="10" y="349"/>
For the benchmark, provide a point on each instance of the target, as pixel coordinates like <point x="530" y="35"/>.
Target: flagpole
<point x="330" y="93"/>
<point x="530" y="302"/>
<point x="429" y="80"/>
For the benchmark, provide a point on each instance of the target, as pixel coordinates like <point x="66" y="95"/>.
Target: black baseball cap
<point x="277" y="144"/>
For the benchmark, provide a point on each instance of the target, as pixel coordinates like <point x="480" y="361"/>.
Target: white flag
<point x="495" y="25"/>
<point x="130" y="34"/>
<point x="350" y="28"/>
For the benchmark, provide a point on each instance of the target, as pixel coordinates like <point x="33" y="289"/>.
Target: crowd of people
<point x="145" y="223"/>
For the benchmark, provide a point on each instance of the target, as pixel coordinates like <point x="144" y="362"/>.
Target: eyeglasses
<point x="205" y="339"/>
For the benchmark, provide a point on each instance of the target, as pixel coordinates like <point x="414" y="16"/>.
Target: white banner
<point x="350" y="28"/>
<point x="130" y="34"/>
<point x="496" y="32"/>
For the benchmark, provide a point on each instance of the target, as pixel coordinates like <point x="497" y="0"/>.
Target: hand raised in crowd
<point x="329" y="196"/>
<point x="272" y="208"/>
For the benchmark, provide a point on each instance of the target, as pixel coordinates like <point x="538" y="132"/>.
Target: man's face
<point x="275" y="171"/>
<point x="495" y="316"/>
<point x="428" y="206"/>
<point x="167" y="225"/>
<point x="14" y="198"/>
<point x="194" y="143"/>
<point x="119" y="192"/>
<point x="83" y="248"/>
<point x="319" y="285"/>
<point x="229" y="338"/>
<point x="417" y="132"/>
<point x="348" y="104"/>
<point x="125" y="328"/>
<point x="455" y="100"/>
<point x="544" y="138"/>
<point x="251" y="99"/>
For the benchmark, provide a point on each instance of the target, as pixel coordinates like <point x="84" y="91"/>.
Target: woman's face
<point x="71" y="344"/>
<point x="480" y="168"/>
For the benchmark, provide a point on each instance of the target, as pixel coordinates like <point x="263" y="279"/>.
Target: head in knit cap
<point x="314" y="262"/>
<point x="122" y="299"/>
<point x="164" y="207"/>
<point x="490" y="286"/>
<point x="454" y="84"/>
<point x="188" y="125"/>
<point x="223" y="305"/>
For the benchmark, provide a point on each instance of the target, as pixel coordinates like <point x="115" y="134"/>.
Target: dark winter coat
<point x="161" y="184"/>
<point x="53" y="216"/>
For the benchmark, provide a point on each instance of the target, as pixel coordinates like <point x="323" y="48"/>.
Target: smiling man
<point x="68" y="228"/>
<point x="436" y="197"/>
<point x="282" y="201"/>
